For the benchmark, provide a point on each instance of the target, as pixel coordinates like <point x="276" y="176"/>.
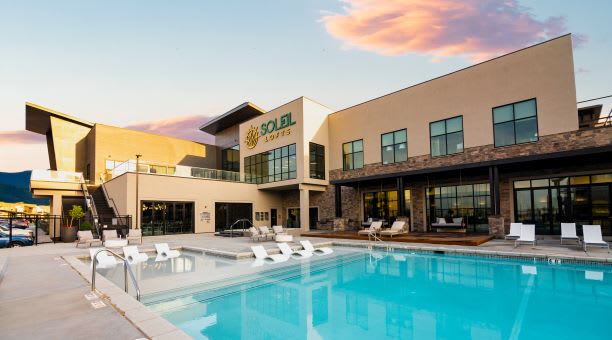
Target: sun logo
<point x="252" y="137"/>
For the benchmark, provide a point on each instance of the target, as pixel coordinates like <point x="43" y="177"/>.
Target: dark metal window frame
<point x="254" y="163"/>
<point x="317" y="153"/>
<point x="514" y="122"/>
<point x="394" y="144"/>
<point x="352" y="153"/>
<point x="445" y="134"/>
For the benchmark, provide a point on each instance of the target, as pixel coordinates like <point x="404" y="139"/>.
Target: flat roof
<point x="38" y="118"/>
<point x="235" y="116"/>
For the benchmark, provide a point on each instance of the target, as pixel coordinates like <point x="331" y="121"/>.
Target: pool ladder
<point x="373" y="238"/>
<point x="127" y="269"/>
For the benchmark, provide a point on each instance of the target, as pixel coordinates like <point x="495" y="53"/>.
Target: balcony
<point x="56" y="180"/>
<point x="172" y="170"/>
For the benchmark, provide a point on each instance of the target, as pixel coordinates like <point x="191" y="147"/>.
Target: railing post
<point x="36" y="231"/>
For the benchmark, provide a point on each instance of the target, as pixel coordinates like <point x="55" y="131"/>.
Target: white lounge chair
<point x="86" y="237"/>
<point x="261" y="254"/>
<point x="132" y="255"/>
<point x="287" y="251"/>
<point x="592" y="237"/>
<point x="372" y="230"/>
<point x="396" y="229"/>
<point x="568" y="232"/>
<point x="163" y="250"/>
<point x="134" y="235"/>
<point x="527" y="235"/>
<point x="103" y="258"/>
<point x="256" y="235"/>
<point x="515" y="231"/>
<point x="319" y="251"/>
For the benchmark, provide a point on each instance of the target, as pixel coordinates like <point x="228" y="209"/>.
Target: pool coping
<point x="152" y="325"/>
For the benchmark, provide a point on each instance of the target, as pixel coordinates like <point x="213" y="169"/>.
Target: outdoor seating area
<point x="263" y="233"/>
<point x="287" y="252"/>
<point x="525" y="233"/>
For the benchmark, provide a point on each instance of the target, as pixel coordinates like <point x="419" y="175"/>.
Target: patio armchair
<point x="278" y="230"/>
<point x="134" y="235"/>
<point x="515" y="231"/>
<point x="527" y="235"/>
<point x="255" y="235"/>
<point x="86" y="237"/>
<point x="266" y="232"/>
<point x="110" y="235"/>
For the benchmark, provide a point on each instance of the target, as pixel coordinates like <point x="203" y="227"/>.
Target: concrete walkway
<point x="41" y="297"/>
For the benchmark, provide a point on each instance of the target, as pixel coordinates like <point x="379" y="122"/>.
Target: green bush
<point x="85" y="225"/>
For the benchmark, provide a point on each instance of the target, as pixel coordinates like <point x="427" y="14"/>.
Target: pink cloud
<point x="185" y="127"/>
<point x="478" y="29"/>
<point x="21" y="137"/>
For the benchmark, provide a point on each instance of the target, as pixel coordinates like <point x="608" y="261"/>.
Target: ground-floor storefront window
<point x="163" y="218"/>
<point x="472" y="202"/>
<point x="227" y="214"/>
<point x="384" y="205"/>
<point x="547" y="202"/>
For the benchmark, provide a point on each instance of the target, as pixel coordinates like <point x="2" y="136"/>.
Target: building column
<point x="55" y="209"/>
<point x="304" y="209"/>
<point x="494" y="190"/>
<point x="401" y="199"/>
<point x="338" y="200"/>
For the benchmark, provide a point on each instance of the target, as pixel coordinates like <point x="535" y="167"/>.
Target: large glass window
<point x="446" y="136"/>
<point x="271" y="166"/>
<point x="472" y="202"/>
<point x="352" y="155"/>
<point x="227" y="214"/>
<point x="548" y="202"/>
<point x="317" y="161"/>
<point x="163" y="218"/>
<point x="516" y="123"/>
<point x="394" y="147"/>
<point x="230" y="158"/>
<point x="382" y="205"/>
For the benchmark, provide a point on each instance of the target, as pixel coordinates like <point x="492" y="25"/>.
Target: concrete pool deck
<point x="42" y="289"/>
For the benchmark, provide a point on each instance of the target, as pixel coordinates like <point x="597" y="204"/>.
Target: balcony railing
<point x="173" y="170"/>
<point x="56" y="176"/>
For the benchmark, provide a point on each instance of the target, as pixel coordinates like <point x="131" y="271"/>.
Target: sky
<point x="169" y="66"/>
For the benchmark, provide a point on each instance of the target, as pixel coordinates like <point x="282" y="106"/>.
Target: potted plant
<point x="69" y="232"/>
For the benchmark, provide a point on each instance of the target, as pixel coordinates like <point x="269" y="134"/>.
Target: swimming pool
<point x="360" y="294"/>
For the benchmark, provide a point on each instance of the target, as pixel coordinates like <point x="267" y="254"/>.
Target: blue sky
<point x="129" y="63"/>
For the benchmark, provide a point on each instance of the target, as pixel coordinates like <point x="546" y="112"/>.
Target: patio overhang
<point x="235" y="116"/>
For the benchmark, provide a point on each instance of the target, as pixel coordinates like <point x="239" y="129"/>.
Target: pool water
<point x="398" y="295"/>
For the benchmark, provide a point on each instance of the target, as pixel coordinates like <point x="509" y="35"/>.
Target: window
<point x="446" y="136"/>
<point x="317" y="161"/>
<point x="394" y="147"/>
<point x="471" y="202"/>
<point x="352" y="155"/>
<point x="230" y="158"/>
<point x="271" y="166"/>
<point x="515" y="123"/>
<point x="380" y="205"/>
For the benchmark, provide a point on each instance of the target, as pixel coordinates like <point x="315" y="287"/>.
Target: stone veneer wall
<point x="567" y="141"/>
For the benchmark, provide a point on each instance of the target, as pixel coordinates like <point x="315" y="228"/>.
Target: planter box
<point x="68" y="234"/>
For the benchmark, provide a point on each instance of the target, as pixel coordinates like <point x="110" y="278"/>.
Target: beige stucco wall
<point x="228" y="137"/>
<point x="69" y="144"/>
<point x="310" y="125"/>
<point x="545" y="72"/>
<point x="204" y="193"/>
<point x="123" y="144"/>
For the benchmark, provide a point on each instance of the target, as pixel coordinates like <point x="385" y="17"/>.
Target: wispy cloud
<point x="21" y="137"/>
<point x="185" y="127"/>
<point x="477" y="29"/>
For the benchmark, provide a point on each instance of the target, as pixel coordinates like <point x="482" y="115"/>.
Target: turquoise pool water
<point x="398" y="296"/>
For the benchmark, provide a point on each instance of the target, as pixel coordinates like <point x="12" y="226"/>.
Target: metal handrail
<point x="126" y="269"/>
<point x="240" y="220"/>
<point x="108" y="198"/>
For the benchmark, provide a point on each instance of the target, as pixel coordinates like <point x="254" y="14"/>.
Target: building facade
<point x="493" y="143"/>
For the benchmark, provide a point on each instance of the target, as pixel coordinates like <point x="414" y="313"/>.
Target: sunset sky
<point x="168" y="66"/>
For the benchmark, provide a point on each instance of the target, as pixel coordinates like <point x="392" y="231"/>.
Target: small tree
<point x="76" y="213"/>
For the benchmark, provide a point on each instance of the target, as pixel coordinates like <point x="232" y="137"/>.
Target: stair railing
<point x="107" y="197"/>
<point x="91" y="206"/>
<point x="240" y="220"/>
<point x="127" y="269"/>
